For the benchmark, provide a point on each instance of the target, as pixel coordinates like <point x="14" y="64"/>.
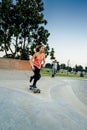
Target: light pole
<point x="68" y="62"/>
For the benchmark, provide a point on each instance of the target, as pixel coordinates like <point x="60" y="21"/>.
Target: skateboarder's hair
<point x="38" y="48"/>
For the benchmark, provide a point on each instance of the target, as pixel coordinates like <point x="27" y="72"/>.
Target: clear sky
<point x="67" y="24"/>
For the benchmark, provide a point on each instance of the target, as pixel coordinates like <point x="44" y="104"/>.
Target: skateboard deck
<point x="35" y="90"/>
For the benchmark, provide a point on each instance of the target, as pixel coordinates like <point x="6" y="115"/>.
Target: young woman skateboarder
<point x="37" y="61"/>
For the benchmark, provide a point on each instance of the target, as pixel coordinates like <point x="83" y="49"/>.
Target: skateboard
<point x="35" y="90"/>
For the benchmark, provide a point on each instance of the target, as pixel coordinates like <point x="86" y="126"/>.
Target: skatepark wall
<point x="13" y="64"/>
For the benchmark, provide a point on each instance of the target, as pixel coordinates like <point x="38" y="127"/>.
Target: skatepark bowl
<point x="61" y="105"/>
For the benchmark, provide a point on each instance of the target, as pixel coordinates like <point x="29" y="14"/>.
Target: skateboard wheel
<point x="35" y="91"/>
<point x="38" y="91"/>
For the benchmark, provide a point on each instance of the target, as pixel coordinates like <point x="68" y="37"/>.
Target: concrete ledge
<point x="13" y="64"/>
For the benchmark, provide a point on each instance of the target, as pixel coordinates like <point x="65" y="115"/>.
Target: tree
<point x="48" y="65"/>
<point x="80" y="68"/>
<point x="23" y="28"/>
<point x="76" y="68"/>
<point x="86" y="70"/>
<point x="5" y="22"/>
<point x="58" y="66"/>
<point x="63" y="66"/>
<point x="52" y="54"/>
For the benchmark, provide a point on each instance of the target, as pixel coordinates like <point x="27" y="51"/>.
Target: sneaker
<point x="31" y="86"/>
<point x="34" y="86"/>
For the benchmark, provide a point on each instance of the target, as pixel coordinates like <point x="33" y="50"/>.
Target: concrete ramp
<point x="61" y="105"/>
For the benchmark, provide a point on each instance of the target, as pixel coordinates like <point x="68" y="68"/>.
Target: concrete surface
<point x="61" y="105"/>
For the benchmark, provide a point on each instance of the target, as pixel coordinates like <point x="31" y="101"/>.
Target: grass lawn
<point x="47" y="72"/>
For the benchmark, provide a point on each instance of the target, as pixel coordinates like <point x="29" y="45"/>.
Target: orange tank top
<point x="38" y="61"/>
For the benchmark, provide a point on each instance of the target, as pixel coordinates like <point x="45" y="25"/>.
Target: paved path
<point x="62" y="104"/>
